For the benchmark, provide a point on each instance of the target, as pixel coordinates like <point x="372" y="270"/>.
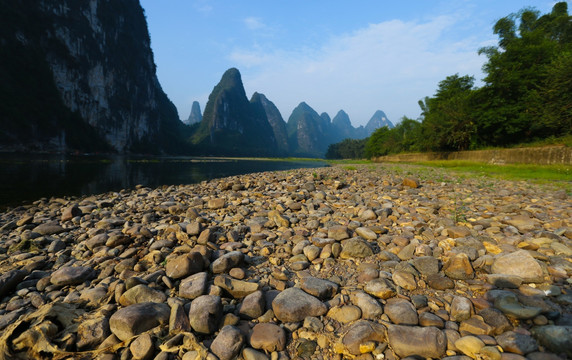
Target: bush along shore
<point x="328" y="263"/>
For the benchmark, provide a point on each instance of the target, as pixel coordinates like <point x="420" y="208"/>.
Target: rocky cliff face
<point x="308" y="132"/>
<point x="96" y="54"/>
<point x="195" y="116"/>
<point x="343" y="126"/>
<point x="379" y="119"/>
<point x="275" y="120"/>
<point x="231" y="125"/>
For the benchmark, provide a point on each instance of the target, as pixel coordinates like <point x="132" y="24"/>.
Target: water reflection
<point x="28" y="178"/>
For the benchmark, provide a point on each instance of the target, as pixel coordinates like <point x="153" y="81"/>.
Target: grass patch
<point x="560" y="175"/>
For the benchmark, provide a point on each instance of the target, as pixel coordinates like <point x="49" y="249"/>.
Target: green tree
<point x="347" y="149"/>
<point x="448" y="116"/>
<point x="525" y="94"/>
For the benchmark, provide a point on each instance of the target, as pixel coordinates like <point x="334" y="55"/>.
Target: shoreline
<point x="321" y="263"/>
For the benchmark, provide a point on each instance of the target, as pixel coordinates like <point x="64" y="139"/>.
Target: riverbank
<point x="324" y="263"/>
<point x="545" y="155"/>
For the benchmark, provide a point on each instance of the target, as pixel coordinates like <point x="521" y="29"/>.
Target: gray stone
<point x="50" y="228"/>
<point x="510" y="306"/>
<point x="338" y="232"/>
<point x="355" y="248"/>
<point x="228" y="343"/>
<point x="401" y="311"/>
<point x="252" y="306"/>
<point x="361" y="332"/>
<point x="184" y="265"/>
<point x="9" y="280"/>
<point x="461" y="308"/>
<point x="380" y="288"/>
<point x="268" y="337"/>
<point x="557" y="339"/>
<point x="440" y="282"/>
<point x="92" y="332"/>
<point x="345" y="314"/>
<point x="236" y="288"/>
<point x="178" y="320"/>
<point x="430" y="319"/>
<point x="141" y="294"/>
<point x="519" y="263"/>
<point x="135" y="319"/>
<point x="70" y="212"/>
<point x="69" y="275"/>
<point x="428" y="342"/>
<point x="370" y="308"/>
<point x="193" y="286"/>
<point x="320" y="288"/>
<point x="426" y="265"/>
<point x="496" y="319"/>
<point x="142" y="348"/>
<point x="226" y="262"/>
<point x="293" y="305"/>
<point x="205" y="314"/>
<point x="517" y="343"/>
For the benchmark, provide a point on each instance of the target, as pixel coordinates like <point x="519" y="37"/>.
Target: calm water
<point x="25" y="178"/>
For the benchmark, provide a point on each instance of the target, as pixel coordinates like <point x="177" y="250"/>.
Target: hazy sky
<point x="358" y="56"/>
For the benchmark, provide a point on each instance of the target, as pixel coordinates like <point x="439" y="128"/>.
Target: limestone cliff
<point x="81" y="75"/>
<point x="195" y="116"/>
<point x="231" y="125"/>
<point x="275" y="120"/>
<point x="309" y="134"/>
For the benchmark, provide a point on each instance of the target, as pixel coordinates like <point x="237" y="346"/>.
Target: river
<point x="26" y="178"/>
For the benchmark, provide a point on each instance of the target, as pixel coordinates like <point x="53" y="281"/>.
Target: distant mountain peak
<point x="231" y="124"/>
<point x="196" y="116"/>
<point x="342" y="120"/>
<point x="378" y="120"/>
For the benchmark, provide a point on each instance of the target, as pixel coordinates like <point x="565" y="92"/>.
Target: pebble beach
<point x="368" y="261"/>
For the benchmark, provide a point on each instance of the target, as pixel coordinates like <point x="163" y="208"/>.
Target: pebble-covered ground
<point x="364" y="262"/>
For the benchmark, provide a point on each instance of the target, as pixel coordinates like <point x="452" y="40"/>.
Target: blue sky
<point x="358" y="56"/>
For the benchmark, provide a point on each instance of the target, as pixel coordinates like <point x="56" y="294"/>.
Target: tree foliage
<point x="526" y="96"/>
<point x="346" y="149"/>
